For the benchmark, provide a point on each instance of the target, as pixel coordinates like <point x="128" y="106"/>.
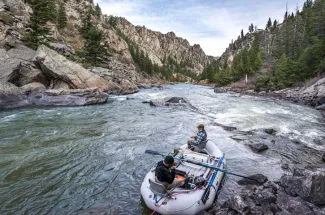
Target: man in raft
<point x="200" y="137"/>
<point x="165" y="173"/>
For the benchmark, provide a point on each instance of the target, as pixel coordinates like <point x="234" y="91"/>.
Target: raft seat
<point x="200" y="147"/>
<point x="157" y="188"/>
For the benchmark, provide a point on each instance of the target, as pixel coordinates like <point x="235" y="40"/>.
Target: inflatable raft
<point x="204" y="181"/>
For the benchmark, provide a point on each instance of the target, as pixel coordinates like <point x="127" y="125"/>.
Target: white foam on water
<point x="9" y="118"/>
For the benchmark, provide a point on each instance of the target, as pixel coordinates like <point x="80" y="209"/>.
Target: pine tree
<point x="43" y="11"/>
<point x="94" y="48"/>
<point x="98" y="10"/>
<point x="275" y="23"/>
<point x="269" y="23"/>
<point x="242" y="33"/>
<point x="112" y="21"/>
<point x="61" y="17"/>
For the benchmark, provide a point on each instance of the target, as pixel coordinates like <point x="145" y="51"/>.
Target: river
<point x="83" y="160"/>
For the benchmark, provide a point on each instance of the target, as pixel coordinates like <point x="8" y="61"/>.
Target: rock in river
<point x="259" y="179"/>
<point x="78" y="97"/>
<point x="258" y="147"/>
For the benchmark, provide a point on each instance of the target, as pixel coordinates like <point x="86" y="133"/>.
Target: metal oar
<point x="201" y="164"/>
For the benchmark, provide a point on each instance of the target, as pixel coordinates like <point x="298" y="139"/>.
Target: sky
<point x="210" y="23"/>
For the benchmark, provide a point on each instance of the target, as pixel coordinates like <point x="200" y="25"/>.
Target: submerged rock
<point x="258" y="147"/>
<point x="79" y="97"/>
<point x="176" y="100"/>
<point x="170" y="101"/>
<point x="285" y="166"/>
<point x="225" y="127"/>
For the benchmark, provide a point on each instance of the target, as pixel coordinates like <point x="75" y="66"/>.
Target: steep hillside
<point x="284" y="53"/>
<point x="160" y="47"/>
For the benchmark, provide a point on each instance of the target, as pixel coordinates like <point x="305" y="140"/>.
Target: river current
<point x="89" y="160"/>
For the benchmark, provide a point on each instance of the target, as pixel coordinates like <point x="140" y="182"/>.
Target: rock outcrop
<point x="160" y="46"/>
<point x="57" y="66"/>
<point x="301" y="193"/>
<point x="12" y="60"/>
<point x="308" y="183"/>
<point x="54" y="67"/>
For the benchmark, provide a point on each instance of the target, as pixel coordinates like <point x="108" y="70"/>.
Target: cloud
<point x="210" y="23"/>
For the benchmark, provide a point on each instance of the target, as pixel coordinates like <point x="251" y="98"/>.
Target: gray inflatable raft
<point x="194" y="198"/>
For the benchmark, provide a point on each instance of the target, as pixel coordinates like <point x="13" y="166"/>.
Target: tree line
<point x="299" y="49"/>
<point x="247" y="61"/>
<point x="294" y="54"/>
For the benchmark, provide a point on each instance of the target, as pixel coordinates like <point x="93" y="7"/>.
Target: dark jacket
<point x="164" y="174"/>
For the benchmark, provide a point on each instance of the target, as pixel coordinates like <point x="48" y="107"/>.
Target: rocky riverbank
<point x="312" y="95"/>
<point x="53" y="74"/>
<point x="301" y="192"/>
<point x="45" y="77"/>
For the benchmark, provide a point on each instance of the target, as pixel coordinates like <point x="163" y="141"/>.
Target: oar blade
<point x="152" y="152"/>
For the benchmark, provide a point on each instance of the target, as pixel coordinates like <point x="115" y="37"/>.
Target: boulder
<point x="119" y="84"/>
<point x="127" y="87"/>
<point x="259" y="179"/>
<point x="143" y="86"/>
<point x="265" y="197"/>
<point x="57" y="66"/>
<point x="26" y="73"/>
<point x="12" y="59"/>
<point x="33" y="87"/>
<point x="238" y="204"/>
<point x="59" y="84"/>
<point x="321" y="107"/>
<point x="62" y="49"/>
<point x="176" y="100"/>
<point x="105" y="73"/>
<point x="308" y="183"/>
<point x="76" y="97"/>
<point x="258" y="147"/>
<point x="323" y="157"/>
<point x="11" y="96"/>
<point x="292" y="205"/>
<point x="285" y="166"/>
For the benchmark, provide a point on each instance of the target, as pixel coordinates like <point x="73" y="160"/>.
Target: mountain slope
<point x="290" y="52"/>
<point x="162" y="46"/>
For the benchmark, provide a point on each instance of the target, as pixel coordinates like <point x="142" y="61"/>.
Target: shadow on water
<point x="91" y="160"/>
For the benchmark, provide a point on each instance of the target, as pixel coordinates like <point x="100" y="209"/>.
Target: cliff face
<point x="162" y="46"/>
<point x="14" y="18"/>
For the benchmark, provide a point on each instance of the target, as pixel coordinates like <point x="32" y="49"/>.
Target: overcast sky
<point x="210" y="23"/>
